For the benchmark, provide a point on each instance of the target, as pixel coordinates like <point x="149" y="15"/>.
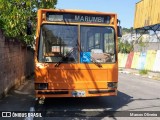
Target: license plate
<point x="78" y="93"/>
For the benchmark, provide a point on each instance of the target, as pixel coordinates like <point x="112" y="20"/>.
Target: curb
<point x="137" y="74"/>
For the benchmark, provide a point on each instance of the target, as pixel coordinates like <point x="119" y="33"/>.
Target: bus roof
<point x="76" y="11"/>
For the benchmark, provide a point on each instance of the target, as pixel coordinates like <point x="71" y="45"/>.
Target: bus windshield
<point x="60" y="43"/>
<point x="56" y="41"/>
<point x="98" y="42"/>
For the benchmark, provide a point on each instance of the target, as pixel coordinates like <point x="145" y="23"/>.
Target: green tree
<point x="125" y="47"/>
<point x="14" y="15"/>
<point x="127" y="30"/>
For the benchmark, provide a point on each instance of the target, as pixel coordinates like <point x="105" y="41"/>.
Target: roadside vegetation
<point x="16" y="14"/>
<point x="125" y="47"/>
<point x="143" y="72"/>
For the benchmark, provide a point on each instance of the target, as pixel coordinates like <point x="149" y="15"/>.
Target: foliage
<point x="143" y="72"/>
<point x="125" y="47"/>
<point x="127" y="30"/>
<point x="14" y="15"/>
<point x="142" y="44"/>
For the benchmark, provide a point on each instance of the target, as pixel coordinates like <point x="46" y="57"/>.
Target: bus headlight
<point x="41" y="86"/>
<point x="112" y="84"/>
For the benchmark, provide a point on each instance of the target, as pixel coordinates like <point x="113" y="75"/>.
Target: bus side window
<point x="90" y="41"/>
<point x="97" y="40"/>
<point x="109" y="43"/>
<point x="93" y="40"/>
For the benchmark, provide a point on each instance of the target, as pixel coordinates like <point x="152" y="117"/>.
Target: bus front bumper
<point x="75" y="93"/>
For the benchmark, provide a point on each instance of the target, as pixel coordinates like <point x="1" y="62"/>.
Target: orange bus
<point x="76" y="53"/>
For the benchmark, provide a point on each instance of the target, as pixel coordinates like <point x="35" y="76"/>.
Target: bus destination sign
<point x="66" y="17"/>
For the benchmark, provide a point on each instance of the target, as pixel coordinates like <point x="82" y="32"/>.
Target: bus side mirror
<point x="29" y="27"/>
<point x="119" y="31"/>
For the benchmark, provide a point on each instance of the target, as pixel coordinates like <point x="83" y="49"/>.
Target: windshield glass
<point x="97" y="44"/>
<point x="58" y="43"/>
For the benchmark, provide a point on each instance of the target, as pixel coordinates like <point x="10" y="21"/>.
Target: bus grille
<point x="100" y="91"/>
<point x="55" y="92"/>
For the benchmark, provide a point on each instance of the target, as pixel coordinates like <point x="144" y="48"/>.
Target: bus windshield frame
<point x="61" y="42"/>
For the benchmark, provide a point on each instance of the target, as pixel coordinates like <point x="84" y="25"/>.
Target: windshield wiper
<point x="94" y="60"/>
<point x="96" y="63"/>
<point x="64" y="57"/>
<point x="70" y="52"/>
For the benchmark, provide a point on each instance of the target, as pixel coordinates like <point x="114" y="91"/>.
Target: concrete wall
<point x="16" y="63"/>
<point x="149" y="60"/>
<point x="147" y="46"/>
